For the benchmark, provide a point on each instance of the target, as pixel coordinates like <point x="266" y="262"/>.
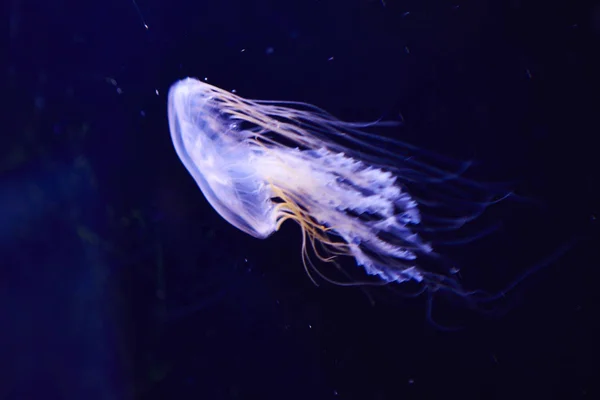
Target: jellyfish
<point x="354" y="193"/>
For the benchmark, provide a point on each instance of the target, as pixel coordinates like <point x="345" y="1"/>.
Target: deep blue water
<point x="119" y="281"/>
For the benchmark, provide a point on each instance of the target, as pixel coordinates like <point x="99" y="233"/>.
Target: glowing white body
<point x="255" y="182"/>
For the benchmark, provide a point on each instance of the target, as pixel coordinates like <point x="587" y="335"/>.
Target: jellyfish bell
<point x="219" y="156"/>
<point x="353" y="193"/>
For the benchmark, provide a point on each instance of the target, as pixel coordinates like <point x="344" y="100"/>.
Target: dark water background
<point x="119" y="281"/>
